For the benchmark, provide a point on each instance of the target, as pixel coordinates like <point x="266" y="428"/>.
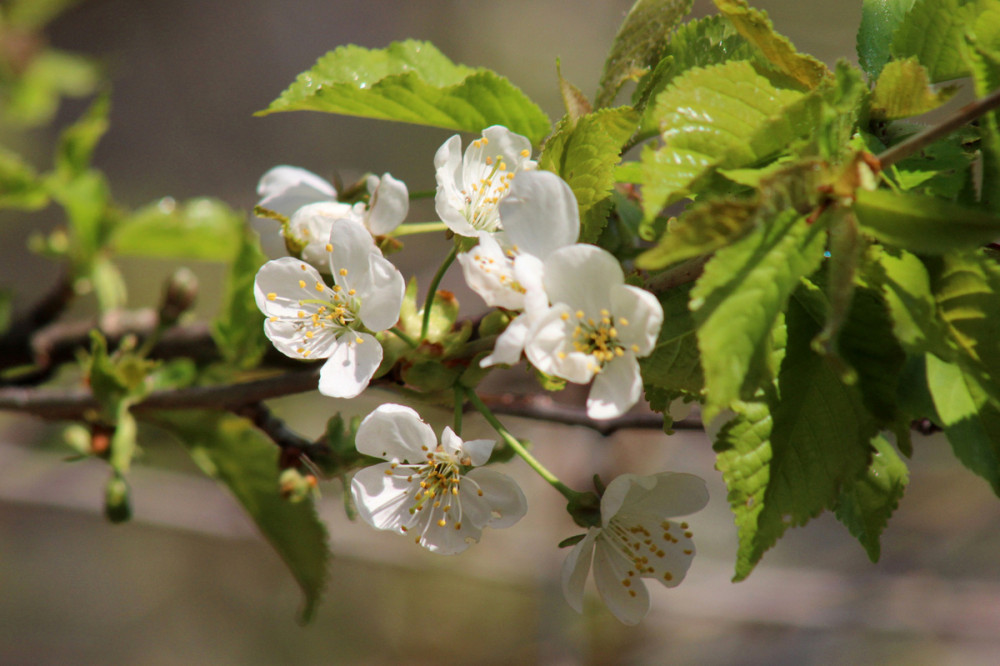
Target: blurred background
<point x="188" y="581"/>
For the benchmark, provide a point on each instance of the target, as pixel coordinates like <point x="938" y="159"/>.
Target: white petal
<point x="288" y="337"/>
<point x="643" y="313"/>
<point x="447" y="539"/>
<point x="575" y="568"/>
<point x="353" y="247"/>
<point x="616" y="388"/>
<point x="395" y="432"/>
<point x="540" y="214"/>
<point x="670" y="495"/>
<point x="509" y="344"/>
<point x="311" y="224"/>
<point x="382" y="300"/>
<point x="478" y="450"/>
<point x="381" y="498"/>
<point x="390" y="203"/>
<point x="582" y="277"/>
<point x="619" y="489"/>
<point x="284" y="189"/>
<point x="350" y="366"/>
<point x="550" y="347"/>
<point x="627" y="602"/>
<point x="449" y="202"/>
<point x="490" y="273"/>
<point x="504" y="498"/>
<point x="528" y="271"/>
<point x="513" y="148"/>
<point x="277" y="289"/>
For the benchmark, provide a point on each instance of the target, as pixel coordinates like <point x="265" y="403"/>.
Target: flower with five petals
<point x="308" y="319"/>
<point x="636" y="540"/>
<point x="426" y="489"/>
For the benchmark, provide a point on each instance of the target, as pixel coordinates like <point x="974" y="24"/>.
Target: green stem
<point x="404" y="337"/>
<point x="512" y="442"/>
<point x="418" y="228"/>
<point x="423" y="194"/>
<point x="429" y="302"/>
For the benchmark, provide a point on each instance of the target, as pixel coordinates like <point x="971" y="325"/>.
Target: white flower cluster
<point x="576" y="319"/>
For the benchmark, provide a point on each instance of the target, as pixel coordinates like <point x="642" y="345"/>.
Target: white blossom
<point x="596" y="328"/>
<point x="284" y="189"/>
<point x="636" y="540"/>
<point x="426" y="490"/>
<point x="308" y="319"/>
<point x="538" y="216"/>
<point x="471" y="186"/>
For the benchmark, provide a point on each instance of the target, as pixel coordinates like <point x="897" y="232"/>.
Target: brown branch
<point x="963" y="116"/>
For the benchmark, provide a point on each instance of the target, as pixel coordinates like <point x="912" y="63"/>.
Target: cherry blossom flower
<point x="308" y="319"/>
<point x="471" y="186"/>
<point x="284" y="189"/>
<point x="538" y="215"/>
<point x="636" y="540"/>
<point x="596" y="328"/>
<point x="426" y="490"/>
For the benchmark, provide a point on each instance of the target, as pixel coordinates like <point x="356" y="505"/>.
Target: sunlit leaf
<point x="638" y="44"/>
<point x="903" y="90"/>
<point x="738" y="298"/>
<point x="238" y="330"/>
<point x="585" y="154"/>
<point x="932" y="32"/>
<point x="412" y="82"/>
<point x="923" y="224"/>
<point x="879" y="21"/>
<point x="756" y="27"/>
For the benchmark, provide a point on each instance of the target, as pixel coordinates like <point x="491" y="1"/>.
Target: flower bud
<point x="117" y="506"/>
<point x="179" y="295"/>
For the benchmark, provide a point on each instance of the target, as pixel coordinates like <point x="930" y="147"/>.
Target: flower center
<point x="643" y="549"/>
<point x="487" y="182"/>
<point x="501" y="270"/>
<point x="436" y="483"/>
<point x="599" y="339"/>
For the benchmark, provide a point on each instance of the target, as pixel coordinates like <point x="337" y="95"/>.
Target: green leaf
<point x="942" y="169"/>
<point x="967" y="290"/>
<point x="238" y="330"/>
<point x="638" y="44"/>
<point x="739" y="297"/>
<point x="906" y="286"/>
<point x="970" y="420"/>
<point x="923" y="224"/>
<point x="903" y="90"/>
<point x="20" y="186"/>
<point x="866" y="503"/>
<point x="31" y="99"/>
<point x="724" y="115"/>
<point x="708" y="41"/>
<point x="412" y="82"/>
<point x="710" y="224"/>
<point x="932" y="33"/>
<point x="204" y="229"/>
<point x="785" y="461"/>
<point x="756" y="27"/>
<point x="585" y="154"/>
<point x="879" y="21"/>
<point x="232" y="451"/>
<point x="78" y="141"/>
<point x="984" y="63"/>
<point x="674" y="364"/>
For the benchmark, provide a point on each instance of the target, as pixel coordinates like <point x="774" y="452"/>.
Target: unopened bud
<point x="179" y="295"/>
<point x="296" y="486"/>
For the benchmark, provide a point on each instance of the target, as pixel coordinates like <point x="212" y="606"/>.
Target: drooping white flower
<point x="307" y="319"/>
<point x="471" y="186"/>
<point x="284" y="189"/>
<point x="538" y="216"/>
<point x="636" y="540"/>
<point x="309" y="227"/>
<point x="425" y="490"/>
<point x="388" y="204"/>
<point x="596" y="328"/>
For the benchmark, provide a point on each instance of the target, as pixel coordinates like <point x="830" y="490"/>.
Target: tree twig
<point x="963" y="116"/>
